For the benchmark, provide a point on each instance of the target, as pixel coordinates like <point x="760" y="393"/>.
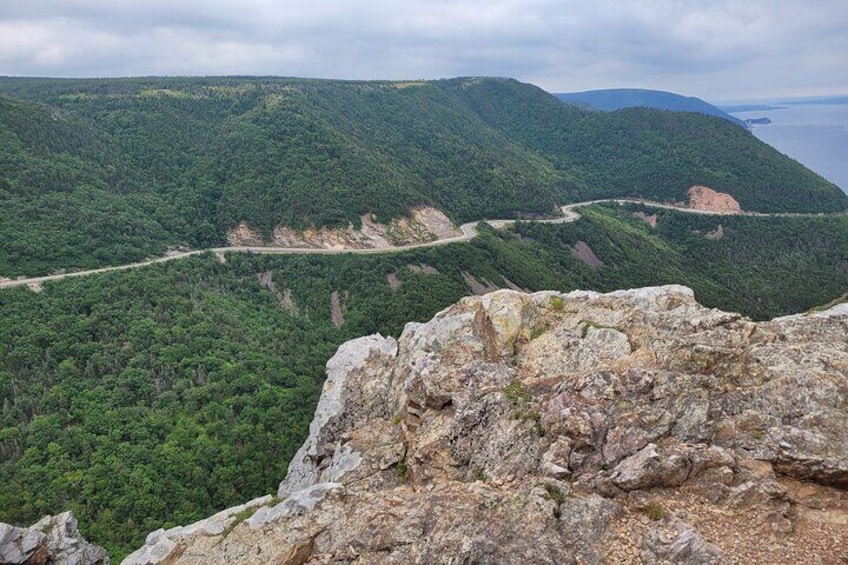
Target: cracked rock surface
<point x="635" y="426"/>
<point x="53" y="540"/>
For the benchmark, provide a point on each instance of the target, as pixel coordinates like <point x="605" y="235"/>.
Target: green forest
<point x="154" y="397"/>
<point x="107" y="171"/>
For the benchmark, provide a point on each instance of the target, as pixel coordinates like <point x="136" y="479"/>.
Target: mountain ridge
<point x="213" y="364"/>
<point x="617" y="98"/>
<point x="197" y="157"/>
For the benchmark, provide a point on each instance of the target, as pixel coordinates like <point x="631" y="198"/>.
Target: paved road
<point x="468" y="231"/>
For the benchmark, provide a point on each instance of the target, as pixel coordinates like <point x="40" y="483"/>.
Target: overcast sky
<point x="721" y="50"/>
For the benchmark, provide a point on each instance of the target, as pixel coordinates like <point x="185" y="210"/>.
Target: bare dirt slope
<point x="707" y="199"/>
<point x="425" y="224"/>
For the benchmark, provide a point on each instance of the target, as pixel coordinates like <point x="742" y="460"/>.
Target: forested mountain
<point x="105" y="171"/>
<point x="153" y="397"/>
<point x="69" y="197"/>
<point x="617" y="98"/>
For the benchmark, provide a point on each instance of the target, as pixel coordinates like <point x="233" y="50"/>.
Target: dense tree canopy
<point x="156" y="396"/>
<point x="96" y="172"/>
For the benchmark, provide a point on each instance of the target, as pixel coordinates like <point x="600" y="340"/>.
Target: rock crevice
<point x="634" y="426"/>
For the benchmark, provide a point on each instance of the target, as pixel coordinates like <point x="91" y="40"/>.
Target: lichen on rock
<point x="634" y="426"/>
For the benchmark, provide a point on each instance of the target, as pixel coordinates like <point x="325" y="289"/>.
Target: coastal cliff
<point x="635" y="426"/>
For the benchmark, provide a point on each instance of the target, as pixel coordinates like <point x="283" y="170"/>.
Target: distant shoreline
<point x="750" y="108"/>
<point x="814" y="133"/>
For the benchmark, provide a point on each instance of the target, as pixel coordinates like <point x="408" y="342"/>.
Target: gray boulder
<point x="527" y="428"/>
<point x="51" y="540"/>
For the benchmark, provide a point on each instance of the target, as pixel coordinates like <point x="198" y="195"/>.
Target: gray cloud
<point x="718" y="49"/>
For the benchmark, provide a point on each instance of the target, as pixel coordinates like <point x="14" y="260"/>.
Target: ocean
<point x="815" y="135"/>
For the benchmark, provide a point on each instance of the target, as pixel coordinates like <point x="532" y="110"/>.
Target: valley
<point x="154" y="396"/>
<point x="467" y="231"/>
<point x="348" y="283"/>
<point x="161" y="373"/>
<point x="114" y="171"/>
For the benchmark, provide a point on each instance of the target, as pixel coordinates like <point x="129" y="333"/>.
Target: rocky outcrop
<point x="650" y="220"/>
<point x="51" y="540"/>
<point x="707" y="199"/>
<point x="424" y="224"/>
<point x="582" y="251"/>
<point x="635" y="426"/>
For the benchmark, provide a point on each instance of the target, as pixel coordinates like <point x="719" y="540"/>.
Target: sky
<point x="720" y="50"/>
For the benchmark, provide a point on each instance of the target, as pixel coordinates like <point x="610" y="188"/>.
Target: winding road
<point x="468" y="231"/>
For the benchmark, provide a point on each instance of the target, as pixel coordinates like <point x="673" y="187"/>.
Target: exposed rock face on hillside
<point x="707" y="199"/>
<point x="636" y="426"/>
<point x="51" y="540"/>
<point x="425" y="224"/>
